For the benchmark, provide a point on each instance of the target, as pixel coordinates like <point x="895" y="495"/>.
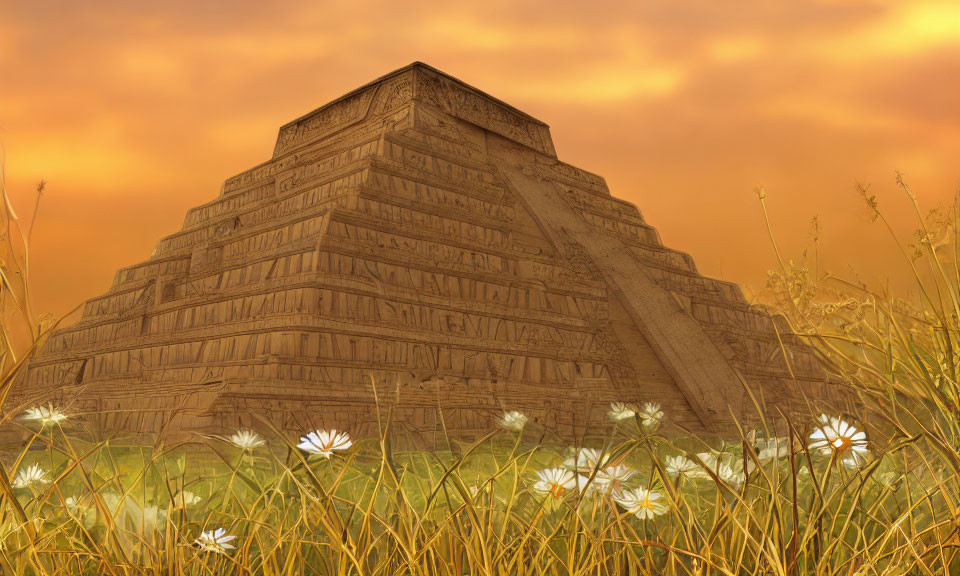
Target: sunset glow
<point x="135" y="113"/>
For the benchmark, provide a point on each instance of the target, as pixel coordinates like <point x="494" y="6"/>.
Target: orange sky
<point x="134" y="113"/>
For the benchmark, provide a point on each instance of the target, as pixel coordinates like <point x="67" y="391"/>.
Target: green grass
<point x="474" y="510"/>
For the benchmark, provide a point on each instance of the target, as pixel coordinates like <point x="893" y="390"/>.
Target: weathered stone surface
<point x="424" y="233"/>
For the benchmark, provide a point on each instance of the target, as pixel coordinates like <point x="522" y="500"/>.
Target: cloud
<point x="100" y="154"/>
<point x="624" y="82"/>
<point x="905" y="29"/>
<point x="730" y="49"/>
<point x="137" y="111"/>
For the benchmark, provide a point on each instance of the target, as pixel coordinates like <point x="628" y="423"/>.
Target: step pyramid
<point x="423" y="236"/>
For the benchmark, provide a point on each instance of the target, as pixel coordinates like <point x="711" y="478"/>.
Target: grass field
<point x="503" y="505"/>
<point x="873" y="493"/>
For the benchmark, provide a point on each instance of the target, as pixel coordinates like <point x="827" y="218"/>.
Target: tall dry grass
<point x="648" y="500"/>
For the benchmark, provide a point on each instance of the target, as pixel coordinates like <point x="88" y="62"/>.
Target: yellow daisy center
<point x="842" y="443"/>
<point x="557" y="490"/>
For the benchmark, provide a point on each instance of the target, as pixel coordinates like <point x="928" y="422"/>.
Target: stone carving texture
<point x="390" y="237"/>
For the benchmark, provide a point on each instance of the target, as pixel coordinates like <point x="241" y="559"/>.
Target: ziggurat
<point x="423" y="233"/>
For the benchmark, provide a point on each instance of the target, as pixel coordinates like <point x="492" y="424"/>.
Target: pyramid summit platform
<point x="423" y="233"/>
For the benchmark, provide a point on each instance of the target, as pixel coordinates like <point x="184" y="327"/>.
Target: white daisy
<point x="324" y="442"/>
<point x="30" y="475"/>
<point x="555" y="482"/>
<point x="247" y="440"/>
<point x="620" y="411"/>
<point x="642" y="503"/>
<point x="681" y="466"/>
<point x="46" y="415"/>
<point x="512" y="420"/>
<point x="612" y="478"/>
<point x="728" y="466"/>
<point x="586" y="460"/>
<point x="841" y="438"/>
<point x="76" y="506"/>
<point x="651" y="415"/>
<point x="609" y="480"/>
<point x="215" y="541"/>
<point x="772" y="448"/>
<point x="730" y="475"/>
